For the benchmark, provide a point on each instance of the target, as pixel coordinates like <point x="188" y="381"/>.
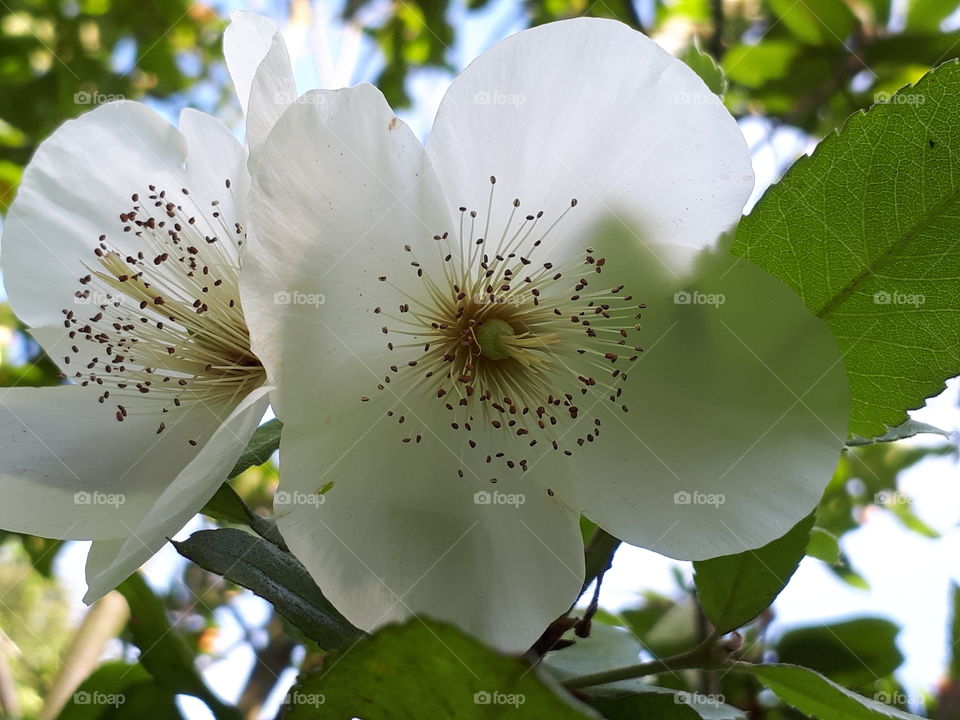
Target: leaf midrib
<point x="925" y="220"/>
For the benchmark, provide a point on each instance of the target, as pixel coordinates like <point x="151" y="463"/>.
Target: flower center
<point x="165" y="321"/>
<point x="518" y="350"/>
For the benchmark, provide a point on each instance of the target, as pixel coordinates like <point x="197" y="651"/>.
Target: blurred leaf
<point x="866" y="237"/>
<point x="816" y="22"/>
<point x="163" y="651"/>
<point x="119" y="690"/>
<point x="926" y="15"/>
<point x="855" y="653"/>
<point x="704" y="65"/>
<point x="274" y="575"/>
<point x="824" y="546"/>
<point x="734" y="589"/>
<point x="812" y="694"/>
<point x="754" y="65"/>
<point x="396" y="673"/>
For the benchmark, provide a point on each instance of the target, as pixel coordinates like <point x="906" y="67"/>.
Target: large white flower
<point x="121" y="253"/>
<point x="477" y="341"/>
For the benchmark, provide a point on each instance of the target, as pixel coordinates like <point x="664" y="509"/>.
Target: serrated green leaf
<point x="274" y="575"/>
<point x="734" y="589"/>
<point x="814" y="695"/>
<point x="426" y="669"/>
<point x="865" y="231"/>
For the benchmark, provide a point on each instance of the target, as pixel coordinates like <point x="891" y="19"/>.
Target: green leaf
<point x="906" y="430"/>
<point x="853" y="653"/>
<point x="274" y="575"/>
<point x="163" y="651"/>
<point x="426" y="669"/>
<point x="816" y="22"/>
<point x="102" y="688"/>
<point x="645" y="705"/>
<point x="865" y="231"/>
<point x="824" y="546"/>
<point x="754" y="65"/>
<point x="263" y="444"/>
<point x="704" y="65"/>
<point x="227" y="506"/>
<point x="734" y="589"/>
<point x="608" y="648"/>
<point x="814" y="695"/>
<point x="926" y="15"/>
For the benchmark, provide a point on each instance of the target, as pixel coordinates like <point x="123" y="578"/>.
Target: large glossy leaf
<point x="734" y="589"/>
<point x="865" y="230"/>
<point x="426" y="669"/>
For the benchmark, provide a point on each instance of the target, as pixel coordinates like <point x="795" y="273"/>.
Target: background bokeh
<point x="871" y="608"/>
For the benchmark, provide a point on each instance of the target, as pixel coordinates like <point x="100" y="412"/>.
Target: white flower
<point x="520" y="324"/>
<point x="121" y="253"/>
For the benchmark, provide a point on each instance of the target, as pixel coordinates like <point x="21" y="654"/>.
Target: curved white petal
<point x="259" y="64"/>
<point x="81" y="179"/>
<point x="71" y="471"/>
<point x="737" y="412"/>
<point x="111" y="561"/>
<point x="342" y="186"/>
<point x="590" y="109"/>
<point x="399" y="534"/>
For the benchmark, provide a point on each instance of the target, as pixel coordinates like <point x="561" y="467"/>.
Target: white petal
<point x="341" y="186"/>
<point x="399" y="534"/>
<point x="590" y="109"/>
<point x="71" y="471"/>
<point x="738" y="410"/>
<point x="79" y="181"/>
<point x="259" y="64"/>
<point x="111" y="561"/>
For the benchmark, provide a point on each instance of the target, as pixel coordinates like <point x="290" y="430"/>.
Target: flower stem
<point x="702" y="657"/>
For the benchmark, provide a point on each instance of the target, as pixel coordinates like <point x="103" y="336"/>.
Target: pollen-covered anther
<point x="511" y="342"/>
<point x="158" y="312"/>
